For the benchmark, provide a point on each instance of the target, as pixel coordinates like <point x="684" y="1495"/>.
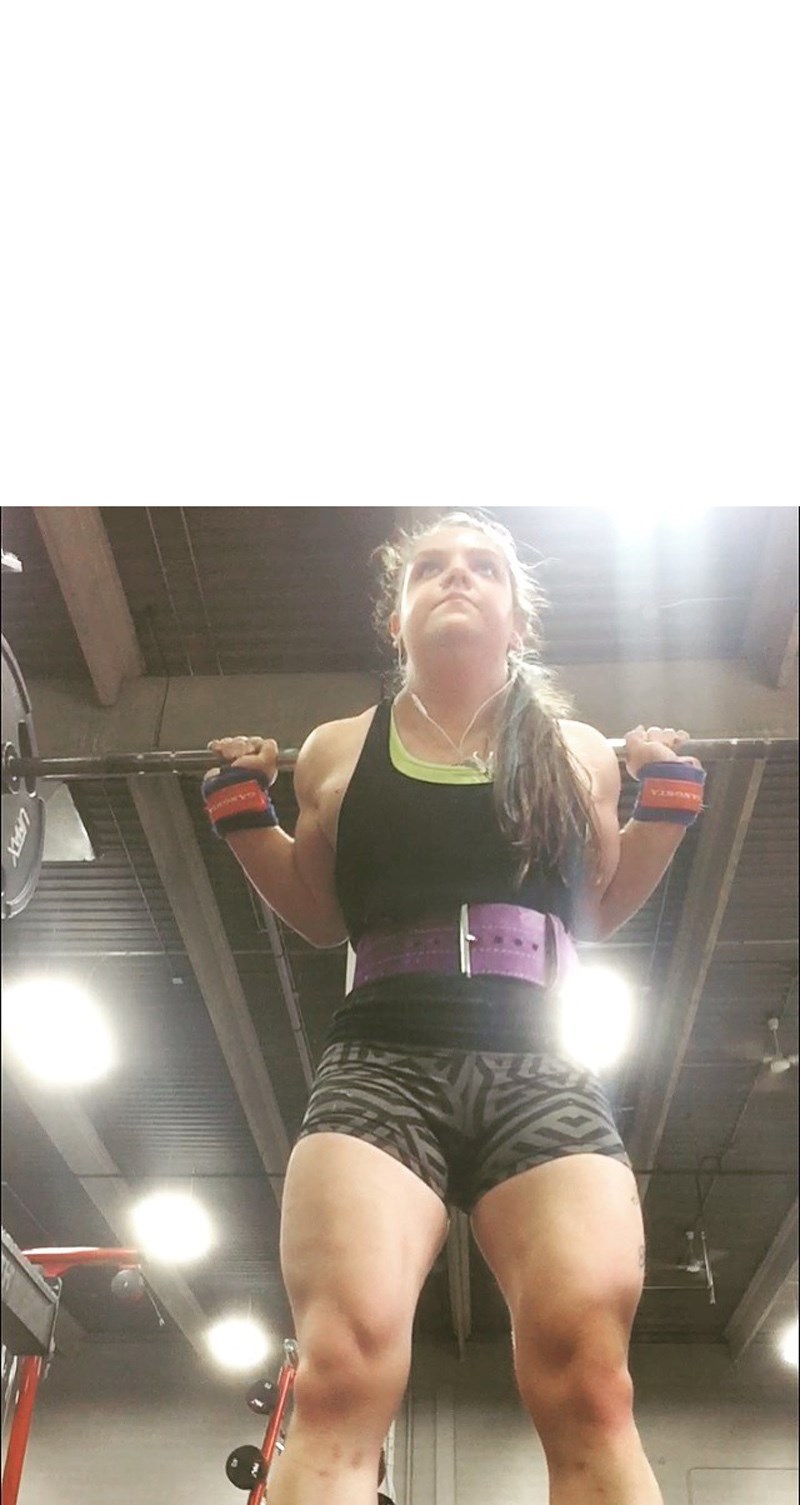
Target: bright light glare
<point x="238" y="1343"/>
<point x="596" y="1017"/>
<point x="172" y="1226"/>
<point x="789" y="1345"/>
<point x="56" y="1031"/>
<point x="638" y="521"/>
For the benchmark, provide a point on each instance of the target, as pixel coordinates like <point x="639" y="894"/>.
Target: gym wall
<point x="140" y="1425"/>
<point x="713" y="1432"/>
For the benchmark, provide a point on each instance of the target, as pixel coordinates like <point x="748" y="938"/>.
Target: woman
<point x="460" y="836"/>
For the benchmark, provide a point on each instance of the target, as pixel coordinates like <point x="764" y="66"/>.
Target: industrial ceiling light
<point x="172" y="1227"/>
<point x="56" y="1031"/>
<point x="596" y="1017"/>
<point x="694" y="1261"/>
<point x="238" y="1343"/>
<point x="775" y="1059"/>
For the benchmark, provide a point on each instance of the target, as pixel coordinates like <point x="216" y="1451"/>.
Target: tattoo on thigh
<point x="641" y="1256"/>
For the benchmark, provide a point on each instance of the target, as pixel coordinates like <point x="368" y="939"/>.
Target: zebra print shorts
<point x="462" y="1121"/>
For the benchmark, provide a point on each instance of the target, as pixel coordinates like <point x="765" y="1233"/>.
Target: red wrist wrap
<point x="670" y="794"/>
<point x="237" y="799"/>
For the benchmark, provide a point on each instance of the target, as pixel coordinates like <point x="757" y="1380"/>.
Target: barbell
<point x="22" y="770"/>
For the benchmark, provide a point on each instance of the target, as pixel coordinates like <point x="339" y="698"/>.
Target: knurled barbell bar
<point x="117" y="765"/>
<point x="22" y="769"/>
<point x="28" y="769"/>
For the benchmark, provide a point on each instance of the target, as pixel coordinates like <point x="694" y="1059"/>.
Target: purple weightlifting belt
<point x="485" y="940"/>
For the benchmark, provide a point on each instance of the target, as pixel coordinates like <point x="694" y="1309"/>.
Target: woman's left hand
<point x="656" y="744"/>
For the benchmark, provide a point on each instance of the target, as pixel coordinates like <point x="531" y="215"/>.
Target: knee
<point x="577" y="1381"/>
<point x="597" y="1396"/>
<point x="586" y="1396"/>
<point x="343" y="1368"/>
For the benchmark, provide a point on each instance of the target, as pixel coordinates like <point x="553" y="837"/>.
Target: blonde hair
<point x="542" y="805"/>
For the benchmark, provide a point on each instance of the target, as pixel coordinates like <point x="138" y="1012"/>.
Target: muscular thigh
<point x="537" y="1108"/>
<point x="565" y="1238"/>
<point x="359" y="1233"/>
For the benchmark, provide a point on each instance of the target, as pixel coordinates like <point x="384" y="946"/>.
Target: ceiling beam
<point x="195" y="709"/>
<point x="713" y="698"/>
<point x="408" y="519"/>
<point x="84" y="565"/>
<point x="82" y="559"/>
<point x="770" y="641"/>
<point x="765" y="1287"/>
<point x="80" y="1147"/>
<point x="177" y="856"/>
<point x="732" y="796"/>
<point x="726" y="951"/>
<point x="291" y="996"/>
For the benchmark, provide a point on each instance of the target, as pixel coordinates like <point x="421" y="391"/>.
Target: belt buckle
<point x="464" y="939"/>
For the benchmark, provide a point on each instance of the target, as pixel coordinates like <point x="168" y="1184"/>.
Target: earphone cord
<point x="458" y="746"/>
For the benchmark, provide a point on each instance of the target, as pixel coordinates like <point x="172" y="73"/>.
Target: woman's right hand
<point x="248" y="752"/>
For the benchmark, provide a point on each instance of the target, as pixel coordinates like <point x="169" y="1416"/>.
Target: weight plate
<point x="245" y="1466"/>
<point x="262" y="1397"/>
<point x="23" y="810"/>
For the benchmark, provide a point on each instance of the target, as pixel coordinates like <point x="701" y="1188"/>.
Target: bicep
<point x="606" y="823"/>
<point x="314" y="857"/>
<point x="595" y="766"/>
<point x="603" y="852"/>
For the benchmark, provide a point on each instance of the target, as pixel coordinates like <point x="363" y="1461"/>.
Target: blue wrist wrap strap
<point x="671" y="792"/>
<point x="237" y="799"/>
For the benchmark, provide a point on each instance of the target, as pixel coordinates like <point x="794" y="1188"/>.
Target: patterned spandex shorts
<point x="462" y="1121"/>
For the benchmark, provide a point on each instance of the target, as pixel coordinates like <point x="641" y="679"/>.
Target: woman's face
<point x="456" y="591"/>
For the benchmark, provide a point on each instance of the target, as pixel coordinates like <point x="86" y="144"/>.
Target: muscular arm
<point x="632" y="861"/>
<point x="645" y="853"/>
<point x="295" y="875"/>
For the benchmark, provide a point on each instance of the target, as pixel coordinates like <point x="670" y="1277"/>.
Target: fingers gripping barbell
<point x="22" y="769"/>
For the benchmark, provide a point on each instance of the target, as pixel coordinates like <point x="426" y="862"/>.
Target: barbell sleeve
<point x="199" y="760"/>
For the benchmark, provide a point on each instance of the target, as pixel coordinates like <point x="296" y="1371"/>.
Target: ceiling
<point x="220" y="1014"/>
<point x="226" y="590"/>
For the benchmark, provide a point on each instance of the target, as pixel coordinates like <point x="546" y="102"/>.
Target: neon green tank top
<point x="429" y="773"/>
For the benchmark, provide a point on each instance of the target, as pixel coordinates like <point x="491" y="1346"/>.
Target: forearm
<point x="646" y="850"/>
<point x="267" y="858"/>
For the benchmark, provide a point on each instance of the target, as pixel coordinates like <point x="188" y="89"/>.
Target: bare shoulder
<point x="593" y="753"/>
<point x="580" y="734"/>
<point x="331" y="747"/>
